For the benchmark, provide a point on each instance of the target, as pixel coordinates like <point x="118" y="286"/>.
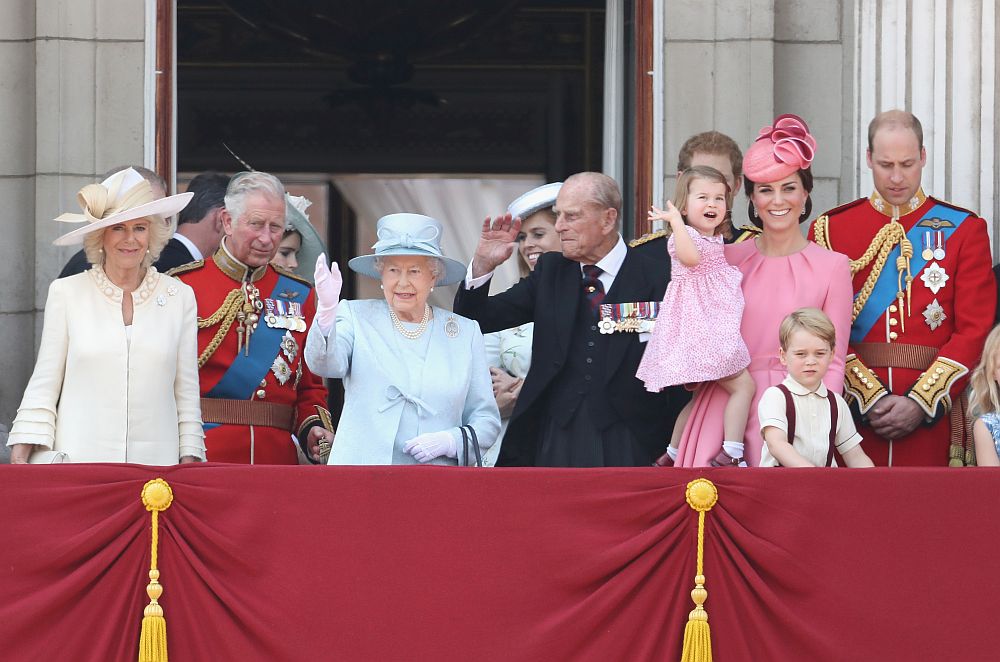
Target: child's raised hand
<point x="670" y="215"/>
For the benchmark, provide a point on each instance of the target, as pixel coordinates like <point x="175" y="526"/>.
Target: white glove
<point x="328" y="283"/>
<point x="430" y="445"/>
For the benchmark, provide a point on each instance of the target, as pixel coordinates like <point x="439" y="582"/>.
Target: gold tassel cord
<point x="156" y="497"/>
<point x="701" y="495"/>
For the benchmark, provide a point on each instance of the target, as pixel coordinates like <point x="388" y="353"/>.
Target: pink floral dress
<point x="697" y="333"/>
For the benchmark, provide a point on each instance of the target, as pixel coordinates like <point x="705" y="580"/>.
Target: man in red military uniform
<point x="252" y="322"/>
<point x="924" y="303"/>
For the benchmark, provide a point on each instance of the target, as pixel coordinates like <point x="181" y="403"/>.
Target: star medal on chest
<point x="934" y="314"/>
<point x="934" y="277"/>
<point x="290" y="347"/>
<point x="281" y="369"/>
<point x="451" y="327"/>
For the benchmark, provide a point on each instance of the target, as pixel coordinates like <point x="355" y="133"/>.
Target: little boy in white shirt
<point x="817" y="420"/>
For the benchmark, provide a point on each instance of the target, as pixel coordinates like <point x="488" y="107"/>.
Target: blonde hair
<point x="811" y="320"/>
<point x="160" y="233"/>
<point x="710" y="174"/>
<point x="985" y="391"/>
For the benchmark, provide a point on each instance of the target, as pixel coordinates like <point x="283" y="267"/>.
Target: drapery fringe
<point x="156" y="497"/>
<point x="701" y="495"/>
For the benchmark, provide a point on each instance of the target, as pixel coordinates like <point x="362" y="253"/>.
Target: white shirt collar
<point x="195" y="253"/>
<point x="612" y="262"/>
<point x="798" y="389"/>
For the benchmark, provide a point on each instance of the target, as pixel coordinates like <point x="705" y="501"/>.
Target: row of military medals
<point x="934" y="275"/>
<point x="285" y="315"/>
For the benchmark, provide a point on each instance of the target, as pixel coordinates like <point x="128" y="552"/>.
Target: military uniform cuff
<point x="933" y="387"/>
<point x="861" y="384"/>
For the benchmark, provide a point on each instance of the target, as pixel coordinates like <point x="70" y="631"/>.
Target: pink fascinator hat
<point x="780" y="149"/>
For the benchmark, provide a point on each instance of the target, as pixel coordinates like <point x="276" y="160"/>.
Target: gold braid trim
<point x="225" y="314"/>
<point x="820" y="235"/>
<point x="862" y="384"/>
<point x="934" y="385"/>
<point x="882" y="244"/>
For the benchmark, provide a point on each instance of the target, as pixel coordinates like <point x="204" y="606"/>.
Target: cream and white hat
<point x="534" y="200"/>
<point x="124" y="196"/>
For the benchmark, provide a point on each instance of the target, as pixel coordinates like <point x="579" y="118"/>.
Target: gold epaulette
<point x="184" y="268"/>
<point x="861" y="384"/>
<point x="934" y="385"/>
<point x="820" y="234"/>
<point x="650" y="236"/>
<point x="747" y="232"/>
<point x="288" y="273"/>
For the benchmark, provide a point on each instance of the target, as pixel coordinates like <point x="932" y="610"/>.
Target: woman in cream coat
<point x="117" y="377"/>
<point x="413" y="374"/>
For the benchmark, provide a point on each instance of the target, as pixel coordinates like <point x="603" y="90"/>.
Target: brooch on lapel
<point x="451" y="327"/>
<point x="634" y="317"/>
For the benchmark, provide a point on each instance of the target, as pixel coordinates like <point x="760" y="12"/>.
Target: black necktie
<point x="592" y="286"/>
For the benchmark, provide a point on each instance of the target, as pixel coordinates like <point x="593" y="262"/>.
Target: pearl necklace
<point x="417" y="332"/>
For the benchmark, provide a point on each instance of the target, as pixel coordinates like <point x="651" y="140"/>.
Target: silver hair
<point x="244" y="183"/>
<point x="437" y="265"/>
<point x="160" y="233"/>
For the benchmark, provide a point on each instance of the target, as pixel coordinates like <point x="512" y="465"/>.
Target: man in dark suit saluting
<point x="581" y="404"/>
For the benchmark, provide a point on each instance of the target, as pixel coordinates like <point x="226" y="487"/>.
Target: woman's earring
<point x="432" y="289"/>
<point x="753" y="211"/>
<point x="381" y="287"/>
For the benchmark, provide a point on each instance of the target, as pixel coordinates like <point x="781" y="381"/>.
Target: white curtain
<point x="460" y="203"/>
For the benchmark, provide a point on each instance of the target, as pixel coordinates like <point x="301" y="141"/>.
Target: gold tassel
<point x="701" y="495"/>
<point x="156" y="497"/>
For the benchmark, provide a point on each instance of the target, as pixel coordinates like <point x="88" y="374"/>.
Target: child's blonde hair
<point x="811" y="320"/>
<point x="985" y="391"/>
<point x="711" y="174"/>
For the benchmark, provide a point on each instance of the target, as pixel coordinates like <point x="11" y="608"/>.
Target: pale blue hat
<point x="408" y="234"/>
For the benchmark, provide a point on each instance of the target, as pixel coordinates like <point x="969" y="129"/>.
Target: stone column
<point x="73" y="107"/>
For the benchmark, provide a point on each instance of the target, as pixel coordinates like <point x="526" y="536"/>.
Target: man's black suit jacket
<point x="174" y="254"/>
<point x="549" y="297"/>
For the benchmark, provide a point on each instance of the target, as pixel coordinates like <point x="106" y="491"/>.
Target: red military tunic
<point x="927" y="351"/>
<point x="254" y="400"/>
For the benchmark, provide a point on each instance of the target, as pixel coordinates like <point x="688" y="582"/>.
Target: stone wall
<point x="732" y="65"/>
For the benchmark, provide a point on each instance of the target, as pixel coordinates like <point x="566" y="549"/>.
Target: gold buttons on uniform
<point x="893" y="321"/>
<point x="893" y="335"/>
<point x="261" y="393"/>
<point x="263" y="382"/>
<point x="893" y="308"/>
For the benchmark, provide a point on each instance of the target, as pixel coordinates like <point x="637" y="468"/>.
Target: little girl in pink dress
<point x="697" y="333"/>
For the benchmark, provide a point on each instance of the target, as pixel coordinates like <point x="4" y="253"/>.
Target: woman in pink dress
<point x="782" y="272"/>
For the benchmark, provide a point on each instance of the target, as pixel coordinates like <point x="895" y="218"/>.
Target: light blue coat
<point x="364" y="350"/>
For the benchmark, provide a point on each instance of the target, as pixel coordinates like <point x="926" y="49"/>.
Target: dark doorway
<point x="483" y="86"/>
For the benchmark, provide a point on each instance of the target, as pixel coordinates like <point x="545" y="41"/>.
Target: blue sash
<point x="885" y="289"/>
<point x="246" y="371"/>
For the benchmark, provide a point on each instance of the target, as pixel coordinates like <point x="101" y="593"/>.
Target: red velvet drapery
<point x="429" y="563"/>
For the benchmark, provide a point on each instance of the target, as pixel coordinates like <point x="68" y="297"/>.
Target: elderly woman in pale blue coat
<point x="414" y="374"/>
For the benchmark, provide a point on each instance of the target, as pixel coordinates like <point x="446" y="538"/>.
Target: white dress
<point x="508" y="350"/>
<point x="98" y="396"/>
